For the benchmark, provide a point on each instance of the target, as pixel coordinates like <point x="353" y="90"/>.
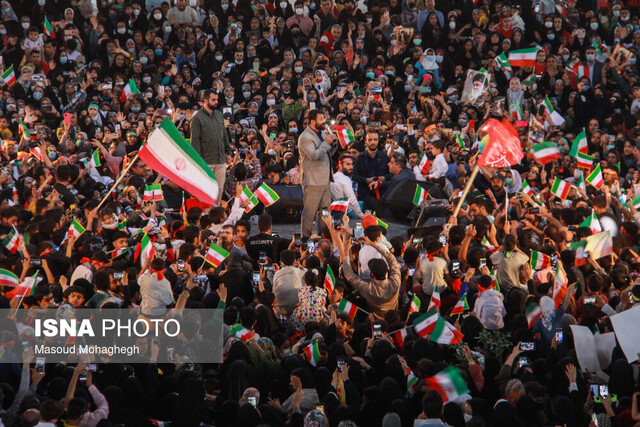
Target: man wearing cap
<point x="315" y="166"/>
<point x="210" y="139"/>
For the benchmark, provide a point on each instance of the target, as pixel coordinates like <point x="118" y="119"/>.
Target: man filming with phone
<point x="316" y="170"/>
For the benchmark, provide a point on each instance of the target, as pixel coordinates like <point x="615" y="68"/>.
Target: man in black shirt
<point x="265" y="242"/>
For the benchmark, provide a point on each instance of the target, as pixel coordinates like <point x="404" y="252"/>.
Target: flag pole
<point x="35" y="280"/>
<point x="466" y="190"/>
<point x="115" y="184"/>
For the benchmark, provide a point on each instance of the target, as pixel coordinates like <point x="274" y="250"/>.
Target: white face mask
<point x="41" y="2"/>
<point x="271" y="101"/>
<point x="158" y="16"/>
<point x="452" y="25"/>
<point x="225" y="6"/>
<point x="26" y="25"/>
<point x="298" y="69"/>
<point x="548" y="24"/>
<point x="218" y="58"/>
<point x="283" y="4"/>
<point x="146" y="80"/>
<point x="136" y="12"/>
<point x="122" y="30"/>
<point x="299" y="11"/>
<point x="167" y="29"/>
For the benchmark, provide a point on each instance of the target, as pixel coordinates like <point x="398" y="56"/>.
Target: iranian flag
<point x="345" y="135"/>
<point x="579" y="145"/>
<point x="251" y="203"/>
<point x="12" y="240"/>
<point x="595" y="178"/>
<point x="7" y="278"/>
<point x="215" y="255"/>
<point x="152" y="192"/>
<point x="37" y="153"/>
<point x="460" y="141"/>
<point x="420" y="195"/>
<point x="635" y="202"/>
<point x="348" y="308"/>
<point x="399" y="336"/>
<point x="488" y="246"/>
<point x="168" y="153"/>
<point x="313" y="353"/>
<point x="581" y="253"/>
<point x="599" y="245"/>
<point x="592" y="222"/>
<point x="144" y="251"/>
<point x="329" y="280"/>
<point x="26" y="288"/>
<point x="244" y="334"/>
<point x="538" y="260"/>
<point x="48" y="28"/>
<point x="415" y="304"/>
<point x="122" y="224"/>
<point x="381" y="223"/>
<point x="266" y="195"/>
<point x="412" y="383"/>
<point x="585" y="161"/>
<point x="559" y="286"/>
<point x="445" y="333"/>
<point x="424" y="164"/>
<point x="94" y="162"/>
<point x="545" y="152"/>
<point x="503" y="62"/>
<point x="339" y="205"/>
<point x="159" y="423"/>
<point x="128" y="90"/>
<point x="526" y="188"/>
<point x="560" y="188"/>
<point x="75" y="229"/>
<point x="245" y="195"/>
<point x="518" y="112"/>
<point x="580" y="183"/>
<point x="434" y="302"/>
<point x="448" y="383"/>
<point x="9" y="76"/>
<point x="119" y="252"/>
<point x="425" y="324"/>
<point x="26" y="134"/>
<point x="461" y="305"/>
<point x="523" y="57"/>
<point x="529" y="80"/>
<point x="532" y="312"/>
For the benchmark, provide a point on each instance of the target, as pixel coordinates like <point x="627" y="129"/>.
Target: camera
<point x="200" y="279"/>
<point x="483" y="263"/>
<point x="340" y="363"/>
<point x="377" y="331"/>
<point x="180" y="265"/>
<point x="40" y="365"/>
<point x="559" y="335"/>
<point x="262" y="258"/>
<point x="527" y="346"/>
<point x="256" y="279"/>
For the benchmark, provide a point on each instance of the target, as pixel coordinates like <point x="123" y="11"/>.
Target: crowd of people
<point x="355" y="322"/>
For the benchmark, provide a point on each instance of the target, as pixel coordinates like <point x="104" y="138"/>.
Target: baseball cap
<point x="369" y="220"/>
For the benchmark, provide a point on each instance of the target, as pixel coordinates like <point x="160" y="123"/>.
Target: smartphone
<point x="377" y="331"/>
<point x="523" y="361"/>
<point x="40" y="364"/>
<point x="358" y="231"/>
<point x="325" y="213"/>
<point x="268" y="267"/>
<point x="91" y="367"/>
<point x="180" y="265"/>
<point x="527" y="346"/>
<point x="67" y="119"/>
<point x="340" y="363"/>
<point x="311" y="246"/>
<point x="312" y="105"/>
<point x="256" y="66"/>
<point x="117" y="127"/>
<point x="262" y="258"/>
<point x="256" y="279"/>
<point x="423" y="254"/>
<point x="171" y="354"/>
<point x="604" y="390"/>
<point x="589" y="300"/>
<point x="554" y="260"/>
<point x="336" y="222"/>
<point x="417" y="240"/>
<point x="253" y="401"/>
<point x="296" y="238"/>
<point x="320" y="408"/>
<point x="594" y="389"/>
<point x="118" y="275"/>
<point x="374" y="124"/>
<point x="35" y="263"/>
<point x="483" y="263"/>
<point x="442" y="239"/>
<point x="83" y="377"/>
<point x="412" y="271"/>
<point x="559" y="336"/>
<point x="533" y="211"/>
<point x="455" y="266"/>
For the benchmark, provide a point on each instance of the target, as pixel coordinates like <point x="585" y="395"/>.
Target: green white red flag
<point x="545" y="152"/>
<point x="144" y="251"/>
<point x="48" y="28"/>
<point x="75" y="229"/>
<point x="266" y="195"/>
<point x="449" y="383"/>
<point x="532" y="312"/>
<point x="579" y="145"/>
<point x="152" y="192"/>
<point x="9" y="76"/>
<point x="424" y="164"/>
<point x="592" y="222"/>
<point x="329" y="280"/>
<point x="523" y="57"/>
<point x="26" y="288"/>
<point x="339" y="205"/>
<point x="129" y="89"/>
<point x="242" y="333"/>
<point x="425" y="324"/>
<point x="434" y="302"/>
<point x="560" y="286"/>
<point x="415" y="305"/>
<point x="560" y="188"/>
<point x="215" y="255"/>
<point x="420" y="195"/>
<point x="348" y="308"/>
<point x="7" y="278"/>
<point x="595" y="177"/>
<point x="412" y="383"/>
<point x="584" y="161"/>
<point x="313" y="353"/>
<point x="539" y="261"/>
<point x="12" y="240"/>
<point x="445" y="333"/>
<point x="345" y="135"/>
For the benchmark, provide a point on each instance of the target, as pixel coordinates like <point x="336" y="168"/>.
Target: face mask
<point x="283" y="4"/>
<point x="53" y="155"/>
<point x="144" y="60"/>
<point x="312" y="5"/>
<point x="453" y="97"/>
<point x="452" y="25"/>
<point x="298" y="69"/>
<point x="41" y="3"/>
<point x="417" y="42"/>
<point x="565" y="58"/>
<point x="225" y="6"/>
<point x="11" y="107"/>
<point x="25" y="25"/>
<point x="591" y="57"/>
<point x="632" y="61"/>
<point x="293" y="130"/>
<point x="394" y="43"/>
<point x="548" y="24"/>
<point x="218" y="58"/>
<point x="149" y="94"/>
<point x="238" y="61"/>
<point x="146" y="80"/>
<point x="370" y="75"/>
<point x="625" y="19"/>
<point x="229" y="100"/>
<point x="299" y="11"/>
<point x="439" y="58"/>
<point x="463" y="122"/>
<point x="158" y="16"/>
<point x="467" y="417"/>
<point x="135" y="109"/>
<point x="271" y="101"/>
<point x="594" y="26"/>
<point x="158" y="52"/>
<point x="167" y="29"/>
<point x="63" y="59"/>
<point x="508" y="182"/>
<point x="136" y="12"/>
<point x="407" y="88"/>
<point x="551" y="36"/>
<point x="3" y="32"/>
<point x="37" y="96"/>
<point x="246" y="94"/>
<point x="363" y="119"/>
<point x="122" y="30"/>
<point x="369" y="20"/>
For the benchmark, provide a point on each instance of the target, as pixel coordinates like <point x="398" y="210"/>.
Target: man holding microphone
<point x="316" y="170"/>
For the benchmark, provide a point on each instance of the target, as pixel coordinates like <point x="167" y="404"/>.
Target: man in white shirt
<point x="342" y="185"/>
<point x="439" y="166"/>
<point x="374" y="232"/>
<point x="414" y="164"/>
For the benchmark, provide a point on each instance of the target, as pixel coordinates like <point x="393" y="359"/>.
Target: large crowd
<point x="469" y="319"/>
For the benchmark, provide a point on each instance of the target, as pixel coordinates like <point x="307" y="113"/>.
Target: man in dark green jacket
<point x="210" y="139"/>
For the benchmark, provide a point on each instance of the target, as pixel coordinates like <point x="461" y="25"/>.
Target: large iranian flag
<point x="168" y="153"/>
<point x="523" y="57"/>
<point x="266" y="195"/>
<point x="449" y="383"/>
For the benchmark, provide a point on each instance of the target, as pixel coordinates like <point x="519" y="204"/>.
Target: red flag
<point x="503" y="148"/>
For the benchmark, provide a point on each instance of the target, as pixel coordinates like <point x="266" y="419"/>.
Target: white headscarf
<point x="548" y="308"/>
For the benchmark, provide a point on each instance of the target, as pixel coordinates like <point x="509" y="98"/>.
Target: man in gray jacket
<point x="315" y="167"/>
<point x="210" y="139"/>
